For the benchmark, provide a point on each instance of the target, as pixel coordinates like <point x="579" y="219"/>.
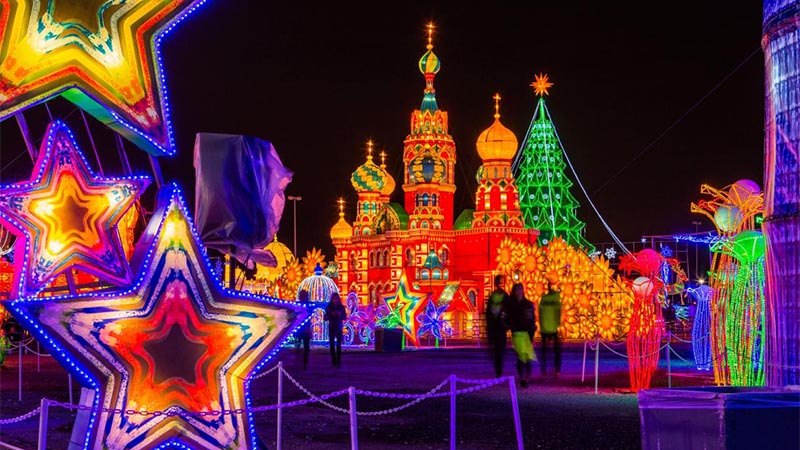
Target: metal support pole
<point x="353" y="419"/>
<point x="26" y="136"/>
<point x="453" y="412"/>
<point x="38" y="357"/>
<point x="280" y="402"/>
<point x="583" y="371"/>
<point x="669" y="361"/>
<point x="19" y="358"/>
<point x="515" y="407"/>
<point x="69" y="382"/>
<point x="156" y="171"/>
<point x="43" y="424"/>
<point x="597" y="364"/>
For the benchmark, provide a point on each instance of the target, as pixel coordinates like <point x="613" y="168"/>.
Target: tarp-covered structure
<point x="239" y="196"/>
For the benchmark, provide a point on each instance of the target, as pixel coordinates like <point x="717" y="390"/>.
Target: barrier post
<point x="669" y="361"/>
<point x="19" y="358"/>
<point x="43" y="424"/>
<point x="596" y="363"/>
<point x="353" y="420"/>
<point x="452" y="412"/>
<point x="583" y="371"/>
<point x="280" y="402"/>
<point x="515" y="406"/>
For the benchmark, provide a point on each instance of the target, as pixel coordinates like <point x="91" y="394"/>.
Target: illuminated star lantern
<point x="104" y="56"/>
<point x="176" y="344"/>
<point x="406" y="306"/>
<point x="65" y="216"/>
<point x="541" y="84"/>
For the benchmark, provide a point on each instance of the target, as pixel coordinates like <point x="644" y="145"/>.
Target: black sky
<point x="318" y="80"/>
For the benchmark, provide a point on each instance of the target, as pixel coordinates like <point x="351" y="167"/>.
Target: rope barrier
<point x="20" y="418"/>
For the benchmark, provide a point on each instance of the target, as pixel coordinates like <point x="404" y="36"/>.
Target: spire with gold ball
<point x="429" y="65"/>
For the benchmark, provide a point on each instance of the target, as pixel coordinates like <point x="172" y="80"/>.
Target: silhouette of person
<point x="335" y="314"/>
<point x="550" y="320"/>
<point x="520" y="317"/>
<point x="495" y="331"/>
<point x="305" y="331"/>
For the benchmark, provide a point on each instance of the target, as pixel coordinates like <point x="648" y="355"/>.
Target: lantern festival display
<point x="406" y="305"/>
<point x="701" y="328"/>
<point x="731" y="209"/>
<point x="104" y="56"/>
<point x="168" y="350"/>
<point x="67" y="217"/>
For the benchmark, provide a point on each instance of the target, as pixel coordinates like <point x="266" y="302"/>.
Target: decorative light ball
<point x="649" y="260"/>
<point x="748" y="246"/>
<point x="744" y="189"/>
<point x="727" y="218"/>
<point x="643" y="287"/>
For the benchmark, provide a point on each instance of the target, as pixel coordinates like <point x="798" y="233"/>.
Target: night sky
<point x="319" y="81"/>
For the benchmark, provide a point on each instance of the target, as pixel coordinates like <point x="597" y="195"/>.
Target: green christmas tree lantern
<point x="544" y="197"/>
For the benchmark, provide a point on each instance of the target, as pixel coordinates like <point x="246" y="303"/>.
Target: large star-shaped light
<point x="406" y="304"/>
<point x="176" y="344"/>
<point x="541" y="84"/>
<point x="103" y="55"/>
<point x="66" y="216"/>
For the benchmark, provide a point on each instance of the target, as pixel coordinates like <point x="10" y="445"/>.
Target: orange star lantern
<point x="103" y="56"/>
<point x="66" y="216"/>
<point x="541" y="84"/>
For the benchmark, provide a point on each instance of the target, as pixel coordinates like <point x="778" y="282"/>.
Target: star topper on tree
<point x="103" y="56"/>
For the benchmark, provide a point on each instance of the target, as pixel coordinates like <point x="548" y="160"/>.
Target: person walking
<point x="520" y="317"/>
<point x="550" y="320"/>
<point x="335" y="315"/>
<point x="305" y="330"/>
<point x="495" y="331"/>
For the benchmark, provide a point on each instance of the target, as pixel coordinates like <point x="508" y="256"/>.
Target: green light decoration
<point x="744" y="325"/>
<point x="544" y="197"/>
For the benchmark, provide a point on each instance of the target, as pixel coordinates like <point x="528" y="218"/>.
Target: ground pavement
<point x="555" y="414"/>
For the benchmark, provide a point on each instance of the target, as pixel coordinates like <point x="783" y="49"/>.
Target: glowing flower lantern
<point x="65" y="216"/>
<point x="731" y="210"/>
<point x="701" y="328"/>
<point x="176" y="344"/>
<point x="103" y="56"/>
<point x="744" y="324"/>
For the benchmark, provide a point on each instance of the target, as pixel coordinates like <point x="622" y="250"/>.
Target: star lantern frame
<point x="171" y="359"/>
<point x="406" y="304"/>
<point x="105" y="58"/>
<point x="66" y="216"/>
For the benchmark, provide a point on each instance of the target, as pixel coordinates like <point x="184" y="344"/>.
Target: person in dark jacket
<point x="520" y="317"/>
<point x="549" y="321"/>
<point x="305" y="331"/>
<point x="495" y="331"/>
<point x="335" y="315"/>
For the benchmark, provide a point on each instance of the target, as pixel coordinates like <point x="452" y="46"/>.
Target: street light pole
<point x="295" y="199"/>
<point x="696" y="230"/>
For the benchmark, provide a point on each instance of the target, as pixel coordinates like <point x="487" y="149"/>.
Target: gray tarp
<point x="238" y="195"/>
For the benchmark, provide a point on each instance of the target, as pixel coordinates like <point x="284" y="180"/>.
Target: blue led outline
<point x="168" y="197"/>
<point x="42" y="162"/>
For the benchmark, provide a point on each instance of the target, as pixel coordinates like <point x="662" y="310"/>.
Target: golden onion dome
<point x="427" y="168"/>
<point x="368" y="177"/>
<point x="281" y="252"/>
<point x="497" y="141"/>
<point x="341" y="229"/>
